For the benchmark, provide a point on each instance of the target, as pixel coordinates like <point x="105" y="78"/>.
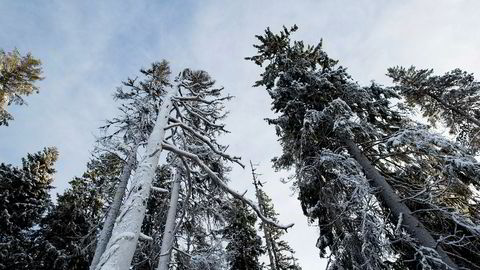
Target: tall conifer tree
<point x="377" y="182"/>
<point x="24" y="199"/>
<point x="244" y="245"/>
<point x="281" y="255"/>
<point x="66" y="238"/>
<point x="17" y="77"/>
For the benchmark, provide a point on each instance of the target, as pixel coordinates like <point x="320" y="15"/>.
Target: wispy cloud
<point x="89" y="47"/>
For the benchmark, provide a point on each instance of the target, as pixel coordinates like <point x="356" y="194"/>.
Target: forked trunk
<point x="122" y="244"/>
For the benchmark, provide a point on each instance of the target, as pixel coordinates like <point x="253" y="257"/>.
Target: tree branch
<point x="222" y="184"/>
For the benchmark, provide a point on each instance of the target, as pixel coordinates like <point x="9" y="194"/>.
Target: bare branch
<point x="222" y="184"/>
<point x="206" y="141"/>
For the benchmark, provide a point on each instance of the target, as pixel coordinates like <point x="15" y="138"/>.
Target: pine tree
<point x="66" y="238"/>
<point x="303" y="80"/>
<point x="17" y="77"/>
<point x="281" y="255"/>
<point x="24" y="199"/>
<point x="357" y="162"/>
<point x="244" y="245"/>
<point x="452" y="99"/>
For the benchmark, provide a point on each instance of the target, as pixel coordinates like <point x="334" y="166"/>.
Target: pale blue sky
<point x="89" y="47"/>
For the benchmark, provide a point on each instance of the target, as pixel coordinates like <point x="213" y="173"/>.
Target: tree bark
<point x="455" y="110"/>
<point x="122" y="244"/>
<point x="112" y="214"/>
<point x="169" y="231"/>
<point x="387" y="195"/>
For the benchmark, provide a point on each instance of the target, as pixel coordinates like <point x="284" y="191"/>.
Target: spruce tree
<point x="66" y="238"/>
<point x="24" y="199"/>
<point x="302" y="80"/>
<point x="378" y="184"/>
<point x="281" y="255"/>
<point x="244" y="245"/>
<point x="17" y="77"/>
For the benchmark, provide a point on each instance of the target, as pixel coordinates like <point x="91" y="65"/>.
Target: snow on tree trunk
<point x="399" y="210"/>
<point x="169" y="231"/>
<point x="112" y="214"/>
<point x="122" y="244"/>
<point x="269" y="244"/>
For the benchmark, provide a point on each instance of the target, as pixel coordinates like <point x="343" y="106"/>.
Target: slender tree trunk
<point x="268" y="237"/>
<point x="169" y="231"/>
<point x="387" y="195"/>
<point x="112" y="214"/>
<point x="268" y="242"/>
<point x="122" y="244"/>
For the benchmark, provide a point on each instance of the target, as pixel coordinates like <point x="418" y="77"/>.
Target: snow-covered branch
<point x="189" y="109"/>
<point x="222" y="184"/>
<point x="198" y="99"/>
<point x="205" y="140"/>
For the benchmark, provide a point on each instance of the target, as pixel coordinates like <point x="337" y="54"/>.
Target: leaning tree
<point x="175" y="113"/>
<point x="380" y="186"/>
<point x="280" y="254"/>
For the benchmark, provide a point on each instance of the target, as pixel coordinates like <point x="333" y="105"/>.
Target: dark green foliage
<point x="66" y="239"/>
<point x="318" y="106"/>
<point x="310" y="93"/>
<point x="24" y="199"/>
<point x="17" y="77"/>
<point x="282" y="252"/>
<point x="244" y="245"/>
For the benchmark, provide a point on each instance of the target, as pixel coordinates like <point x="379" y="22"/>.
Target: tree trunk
<point x="268" y="242"/>
<point x="112" y="214"/>
<point x="122" y="244"/>
<point x="387" y="195"/>
<point x="169" y="231"/>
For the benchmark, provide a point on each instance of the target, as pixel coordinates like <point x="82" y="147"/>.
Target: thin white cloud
<point x="89" y="47"/>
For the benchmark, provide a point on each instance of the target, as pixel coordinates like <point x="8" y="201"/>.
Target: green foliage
<point x="283" y="254"/>
<point x="244" y="245"/>
<point x="17" y="77"/>
<point x="315" y="100"/>
<point x="146" y="255"/>
<point x="66" y="239"/>
<point x="318" y="106"/>
<point x="24" y="199"/>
